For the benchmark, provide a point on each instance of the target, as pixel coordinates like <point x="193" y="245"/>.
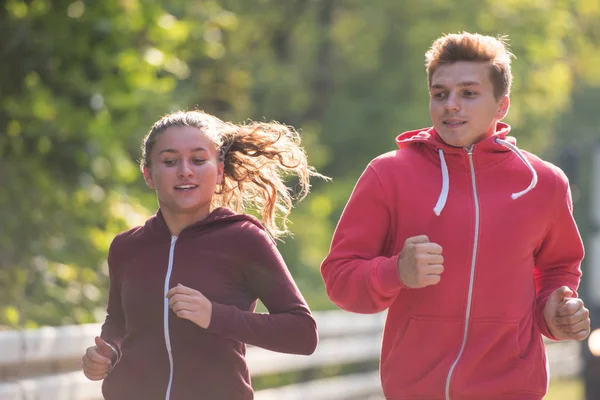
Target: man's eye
<point x="470" y="93"/>
<point x="439" y="96"/>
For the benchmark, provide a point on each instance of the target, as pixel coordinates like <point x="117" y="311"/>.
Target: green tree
<point x="82" y="81"/>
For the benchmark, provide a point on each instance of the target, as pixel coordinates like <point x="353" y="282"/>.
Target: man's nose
<point x="453" y="102"/>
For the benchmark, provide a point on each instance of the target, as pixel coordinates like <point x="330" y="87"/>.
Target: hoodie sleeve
<point x="358" y="277"/>
<point x="113" y="329"/>
<point x="289" y="327"/>
<point x="558" y="259"/>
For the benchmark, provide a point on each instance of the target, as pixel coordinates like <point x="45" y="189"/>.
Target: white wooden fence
<point x="44" y="364"/>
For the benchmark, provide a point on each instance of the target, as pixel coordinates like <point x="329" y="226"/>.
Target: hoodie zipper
<point x="166" y="316"/>
<point x="472" y="277"/>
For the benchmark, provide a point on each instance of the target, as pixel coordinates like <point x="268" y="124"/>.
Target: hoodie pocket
<point x="500" y="358"/>
<point x="420" y="358"/>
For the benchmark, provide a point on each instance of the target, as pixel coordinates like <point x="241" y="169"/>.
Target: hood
<point x="216" y="219"/>
<point x="499" y="142"/>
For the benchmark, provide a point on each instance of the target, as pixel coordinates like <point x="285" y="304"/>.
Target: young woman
<point x="184" y="286"/>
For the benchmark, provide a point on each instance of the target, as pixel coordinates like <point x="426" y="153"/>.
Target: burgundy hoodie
<point x="503" y="218"/>
<point x="230" y="259"/>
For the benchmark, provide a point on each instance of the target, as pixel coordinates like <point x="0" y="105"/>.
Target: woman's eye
<point x="169" y="162"/>
<point x="198" y="161"/>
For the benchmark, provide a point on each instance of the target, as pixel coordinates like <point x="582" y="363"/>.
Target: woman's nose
<point x="184" y="169"/>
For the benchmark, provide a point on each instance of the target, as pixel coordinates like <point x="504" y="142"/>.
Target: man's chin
<point x="453" y="140"/>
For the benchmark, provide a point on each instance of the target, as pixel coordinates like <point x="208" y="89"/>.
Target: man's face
<point x="462" y="104"/>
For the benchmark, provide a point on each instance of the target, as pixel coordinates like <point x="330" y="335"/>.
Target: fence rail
<point x="44" y="364"/>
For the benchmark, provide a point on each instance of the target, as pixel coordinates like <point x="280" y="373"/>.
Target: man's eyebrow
<point x="466" y="83"/>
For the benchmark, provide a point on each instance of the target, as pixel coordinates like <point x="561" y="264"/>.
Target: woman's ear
<point x="221" y="171"/>
<point x="148" y="178"/>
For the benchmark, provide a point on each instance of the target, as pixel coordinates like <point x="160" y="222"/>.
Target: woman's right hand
<point x="98" y="360"/>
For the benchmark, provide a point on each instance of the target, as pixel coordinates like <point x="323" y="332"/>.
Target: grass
<point x="562" y="389"/>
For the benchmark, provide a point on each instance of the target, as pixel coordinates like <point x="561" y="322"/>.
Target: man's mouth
<point x="454" y="122"/>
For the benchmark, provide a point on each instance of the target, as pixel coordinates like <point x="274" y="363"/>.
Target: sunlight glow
<point x="594" y="343"/>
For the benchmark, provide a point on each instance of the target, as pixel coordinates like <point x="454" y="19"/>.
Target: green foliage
<point x="82" y="81"/>
<point x="276" y="380"/>
<point x="75" y="92"/>
<point x="561" y="389"/>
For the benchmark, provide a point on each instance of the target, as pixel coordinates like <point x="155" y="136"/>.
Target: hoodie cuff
<point x="541" y="321"/>
<point x="221" y="318"/>
<point x="117" y="351"/>
<point x="387" y="277"/>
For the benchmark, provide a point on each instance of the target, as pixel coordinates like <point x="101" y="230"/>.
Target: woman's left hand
<point x="190" y="304"/>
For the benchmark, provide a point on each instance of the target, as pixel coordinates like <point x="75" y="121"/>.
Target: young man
<point x="467" y="240"/>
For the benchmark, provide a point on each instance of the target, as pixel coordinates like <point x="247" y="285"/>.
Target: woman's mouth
<point x="185" y="187"/>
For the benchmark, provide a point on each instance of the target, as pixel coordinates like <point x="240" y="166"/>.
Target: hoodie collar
<point x="430" y="137"/>
<point x="216" y="218"/>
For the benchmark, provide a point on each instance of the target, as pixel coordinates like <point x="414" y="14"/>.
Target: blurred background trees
<point x="82" y="81"/>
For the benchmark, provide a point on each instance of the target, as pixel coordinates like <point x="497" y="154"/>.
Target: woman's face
<point x="184" y="170"/>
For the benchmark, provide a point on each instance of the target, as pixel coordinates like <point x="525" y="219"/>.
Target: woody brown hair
<point x="474" y="47"/>
<point x="258" y="157"/>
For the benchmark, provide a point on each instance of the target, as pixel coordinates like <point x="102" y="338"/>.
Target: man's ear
<point x="503" y="106"/>
<point x="148" y="178"/>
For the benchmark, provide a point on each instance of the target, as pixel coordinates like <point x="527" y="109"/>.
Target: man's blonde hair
<point x="474" y="47"/>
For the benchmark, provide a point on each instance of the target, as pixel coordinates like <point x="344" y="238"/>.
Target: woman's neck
<point x="178" y="221"/>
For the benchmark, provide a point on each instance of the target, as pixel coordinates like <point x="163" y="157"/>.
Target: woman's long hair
<point x="258" y="158"/>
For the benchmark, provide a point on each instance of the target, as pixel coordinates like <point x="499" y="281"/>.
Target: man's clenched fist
<point x="420" y="262"/>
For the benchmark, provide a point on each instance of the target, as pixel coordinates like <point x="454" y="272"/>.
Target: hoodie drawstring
<point x="534" y="177"/>
<point x="441" y="203"/>
<point x="445" y="185"/>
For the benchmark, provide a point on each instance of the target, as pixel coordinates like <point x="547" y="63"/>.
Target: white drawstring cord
<point x="534" y="177"/>
<point x="445" y="185"/>
<point x="441" y="203"/>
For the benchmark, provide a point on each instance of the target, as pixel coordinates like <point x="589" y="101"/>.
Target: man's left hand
<point x="566" y="316"/>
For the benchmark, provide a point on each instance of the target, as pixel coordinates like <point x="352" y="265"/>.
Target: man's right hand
<point x="420" y="262"/>
<point x="98" y="360"/>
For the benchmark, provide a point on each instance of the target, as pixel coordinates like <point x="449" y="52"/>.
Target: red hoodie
<point x="230" y="259"/>
<point x="509" y="240"/>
